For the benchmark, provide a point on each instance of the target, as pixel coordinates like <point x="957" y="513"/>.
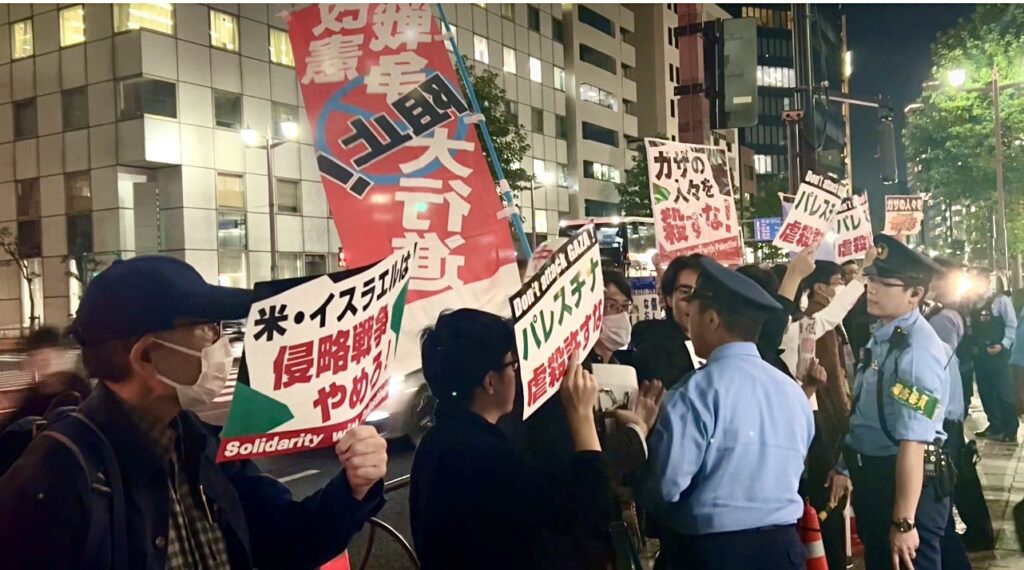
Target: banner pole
<point x="506" y="191"/>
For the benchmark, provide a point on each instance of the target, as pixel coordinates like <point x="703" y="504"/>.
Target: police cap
<point x="732" y="291"/>
<point x="898" y="261"/>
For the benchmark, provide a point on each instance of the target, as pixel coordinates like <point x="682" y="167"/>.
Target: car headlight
<point x="395" y="384"/>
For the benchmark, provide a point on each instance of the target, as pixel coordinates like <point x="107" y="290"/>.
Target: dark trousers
<point x="833" y="538"/>
<point x="967" y="494"/>
<point x="771" y="548"/>
<point x="954" y="555"/>
<point x="874" y="480"/>
<point x="998" y="396"/>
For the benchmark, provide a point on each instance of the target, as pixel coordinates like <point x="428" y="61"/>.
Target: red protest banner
<point x="399" y="156"/>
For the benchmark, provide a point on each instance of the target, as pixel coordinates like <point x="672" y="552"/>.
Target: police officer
<point x="901" y="388"/>
<point x="993" y="327"/>
<point x="948" y="323"/>
<point x="728" y="449"/>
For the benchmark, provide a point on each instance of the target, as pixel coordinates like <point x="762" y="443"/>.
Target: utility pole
<point x="1001" y="245"/>
<point x="847" y="71"/>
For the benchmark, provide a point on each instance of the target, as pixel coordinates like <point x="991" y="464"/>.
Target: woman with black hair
<point x="474" y="501"/>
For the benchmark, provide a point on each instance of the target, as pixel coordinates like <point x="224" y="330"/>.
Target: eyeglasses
<point x="683" y="293"/>
<point x="514" y="364"/>
<point x="612" y="307"/>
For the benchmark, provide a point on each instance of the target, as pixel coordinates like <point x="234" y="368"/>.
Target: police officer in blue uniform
<point x="993" y="329"/>
<point x="728" y="450"/>
<point x="901" y="478"/>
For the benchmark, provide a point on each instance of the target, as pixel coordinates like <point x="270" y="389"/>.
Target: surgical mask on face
<point x="616" y="331"/>
<point x="216" y="361"/>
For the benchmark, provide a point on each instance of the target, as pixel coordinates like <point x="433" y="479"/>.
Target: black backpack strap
<point x="106" y="510"/>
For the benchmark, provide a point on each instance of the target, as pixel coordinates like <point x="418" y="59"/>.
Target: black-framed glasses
<point x="683" y="292"/>
<point x="514" y="364"/>
<point x="613" y="307"/>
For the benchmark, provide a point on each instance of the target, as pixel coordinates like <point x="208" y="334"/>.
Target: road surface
<point x="307" y="472"/>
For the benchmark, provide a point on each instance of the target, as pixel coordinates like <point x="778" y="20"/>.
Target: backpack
<point x="106" y="542"/>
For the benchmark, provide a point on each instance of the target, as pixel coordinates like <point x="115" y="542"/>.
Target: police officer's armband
<point x="920" y="401"/>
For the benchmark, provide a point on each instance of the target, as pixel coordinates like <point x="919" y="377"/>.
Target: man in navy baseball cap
<point x="149" y="294"/>
<point x="150" y="334"/>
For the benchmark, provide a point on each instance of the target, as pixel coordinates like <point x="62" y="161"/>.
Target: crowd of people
<point x="764" y="394"/>
<point x="722" y="466"/>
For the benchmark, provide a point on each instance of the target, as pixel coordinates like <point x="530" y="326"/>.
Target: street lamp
<point x="253" y="139"/>
<point x="956" y="77"/>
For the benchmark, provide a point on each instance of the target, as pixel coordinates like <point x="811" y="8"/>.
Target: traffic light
<point x="730" y="71"/>
<point x="739" y="71"/>
<point x="887" y="147"/>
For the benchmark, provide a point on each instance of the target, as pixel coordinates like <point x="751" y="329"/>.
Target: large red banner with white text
<point x="399" y="155"/>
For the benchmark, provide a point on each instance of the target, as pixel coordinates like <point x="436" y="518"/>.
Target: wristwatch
<point x="903" y="526"/>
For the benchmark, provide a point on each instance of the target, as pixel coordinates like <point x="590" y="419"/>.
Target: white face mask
<point x="216" y="360"/>
<point x="616" y="331"/>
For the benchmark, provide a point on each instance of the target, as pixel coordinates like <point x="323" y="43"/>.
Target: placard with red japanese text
<point x="811" y="215"/>
<point x="397" y="149"/>
<point x="853" y="229"/>
<point x="903" y="215"/>
<point x="692" y="200"/>
<point x="558" y="312"/>
<point x="317" y="358"/>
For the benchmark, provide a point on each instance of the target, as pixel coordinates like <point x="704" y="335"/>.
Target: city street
<point x="1001" y="471"/>
<point x="307" y="472"/>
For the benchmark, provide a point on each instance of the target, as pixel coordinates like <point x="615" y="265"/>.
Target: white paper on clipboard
<point x="698" y="362"/>
<point x="618" y="379"/>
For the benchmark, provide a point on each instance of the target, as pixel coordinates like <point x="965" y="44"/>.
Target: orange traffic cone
<point x="339" y="563"/>
<point x="810" y="536"/>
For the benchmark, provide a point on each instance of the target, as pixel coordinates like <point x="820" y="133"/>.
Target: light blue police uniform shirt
<point x="1002" y="307"/>
<point x="949" y="326"/>
<point x="922" y="365"/>
<point x="1017" y="356"/>
<point x="955" y="411"/>
<point x="728" y="448"/>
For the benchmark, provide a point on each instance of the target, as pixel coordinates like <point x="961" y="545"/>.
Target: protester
<point x="826" y="319"/>
<point x="900" y="390"/>
<point x="831" y="418"/>
<point x="728" y="450"/>
<point x="660" y="346"/>
<point x="849" y="271"/>
<point x="993" y="326"/>
<point x="50" y="362"/>
<point x="769" y="341"/>
<point x="149" y="330"/>
<point x="548" y="438"/>
<point x="474" y="501"/>
<point x="615" y="325"/>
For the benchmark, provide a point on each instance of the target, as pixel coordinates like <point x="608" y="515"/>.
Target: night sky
<point x="891" y="47"/>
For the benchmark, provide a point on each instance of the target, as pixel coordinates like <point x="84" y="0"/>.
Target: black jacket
<point x="660" y="352"/>
<point x="45" y="499"/>
<point x="474" y="503"/>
